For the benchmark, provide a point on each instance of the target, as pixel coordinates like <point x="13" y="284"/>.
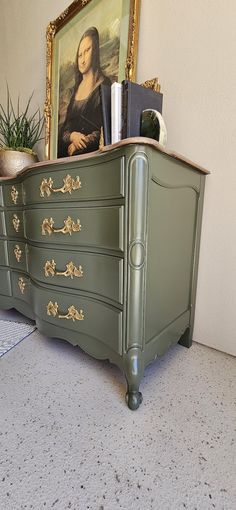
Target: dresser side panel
<point x="173" y="206"/>
<point x="172" y="172"/>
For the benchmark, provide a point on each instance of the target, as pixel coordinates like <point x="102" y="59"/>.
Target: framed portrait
<point x="92" y="42"/>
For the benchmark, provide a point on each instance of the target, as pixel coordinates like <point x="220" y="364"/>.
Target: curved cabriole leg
<point x="133" y="367"/>
<point x="186" y="338"/>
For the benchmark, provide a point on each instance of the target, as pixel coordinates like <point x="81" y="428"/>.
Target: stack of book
<point x="122" y="107"/>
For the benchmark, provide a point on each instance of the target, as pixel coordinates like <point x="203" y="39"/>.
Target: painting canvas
<point x="92" y="42"/>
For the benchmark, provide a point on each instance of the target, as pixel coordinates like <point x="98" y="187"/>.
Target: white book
<point x="116" y="112"/>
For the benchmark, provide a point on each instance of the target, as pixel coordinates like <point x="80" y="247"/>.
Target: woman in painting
<point x="82" y="127"/>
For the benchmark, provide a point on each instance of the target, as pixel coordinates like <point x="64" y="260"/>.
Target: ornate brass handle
<point x="72" y="313"/>
<point x="71" y="269"/>
<point x="21" y="285"/>
<point x="14" y="194"/>
<point x="17" y="252"/>
<point x="69" y="226"/>
<point x="70" y="184"/>
<point x="16" y="222"/>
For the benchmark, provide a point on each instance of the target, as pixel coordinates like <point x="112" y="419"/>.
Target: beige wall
<point x="190" y="45"/>
<point x="23" y="47"/>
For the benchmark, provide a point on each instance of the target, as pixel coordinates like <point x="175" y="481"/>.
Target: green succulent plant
<point x="19" y="130"/>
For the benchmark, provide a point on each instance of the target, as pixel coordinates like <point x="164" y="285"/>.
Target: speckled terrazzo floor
<point x="68" y="441"/>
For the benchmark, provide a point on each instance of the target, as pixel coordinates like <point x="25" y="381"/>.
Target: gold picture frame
<point x="62" y="38"/>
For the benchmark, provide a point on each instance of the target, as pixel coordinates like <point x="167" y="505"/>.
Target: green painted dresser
<point x="102" y="250"/>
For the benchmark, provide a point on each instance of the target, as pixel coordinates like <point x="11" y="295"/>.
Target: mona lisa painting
<point x="92" y="42"/>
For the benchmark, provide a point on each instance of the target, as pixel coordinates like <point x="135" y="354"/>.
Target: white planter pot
<point x="12" y="162"/>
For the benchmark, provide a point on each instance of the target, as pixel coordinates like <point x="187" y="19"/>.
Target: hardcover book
<point x="135" y="99"/>
<point x="116" y="112"/>
<point x="105" y="93"/>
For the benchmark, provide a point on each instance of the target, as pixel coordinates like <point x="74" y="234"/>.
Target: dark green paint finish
<point x="97" y="182"/>
<point x="14" y="263"/>
<point x="2" y="224"/>
<point x="92" y="346"/>
<point x="3" y="253"/>
<point x="100" y="321"/>
<point x="170" y="335"/>
<point x="139" y="254"/>
<point x="171" y="234"/>
<point x="133" y="369"/>
<point x="1" y="196"/>
<point x="172" y="172"/>
<point x="5" y="279"/>
<point x="7" y="190"/>
<point x="193" y="289"/>
<point x="102" y="274"/>
<point x="136" y="204"/>
<point x="6" y="303"/>
<point x="186" y="339"/>
<point x="17" y="293"/>
<point x="100" y="226"/>
<point x="15" y="214"/>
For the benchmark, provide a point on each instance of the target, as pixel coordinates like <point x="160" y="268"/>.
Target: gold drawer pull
<point x="16" y="222"/>
<point x="69" y="226"/>
<point x="21" y="285"/>
<point x="17" y="252"/>
<point x="71" y="270"/>
<point x="14" y="194"/>
<point x="52" y="309"/>
<point x="70" y="184"/>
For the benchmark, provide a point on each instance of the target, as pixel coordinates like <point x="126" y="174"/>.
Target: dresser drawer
<point x="100" y="227"/>
<point x="21" y="286"/>
<point x="3" y="253"/>
<point x="17" y="255"/>
<point x="5" y="282"/>
<point x="2" y="224"/>
<point x="95" y="273"/>
<point x="80" y="314"/>
<point x="83" y="181"/>
<point x="14" y="223"/>
<point x="12" y="194"/>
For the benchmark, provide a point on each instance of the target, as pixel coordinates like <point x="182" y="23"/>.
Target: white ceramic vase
<point x="12" y="162"/>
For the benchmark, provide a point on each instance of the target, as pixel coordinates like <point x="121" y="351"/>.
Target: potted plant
<point x="19" y="132"/>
